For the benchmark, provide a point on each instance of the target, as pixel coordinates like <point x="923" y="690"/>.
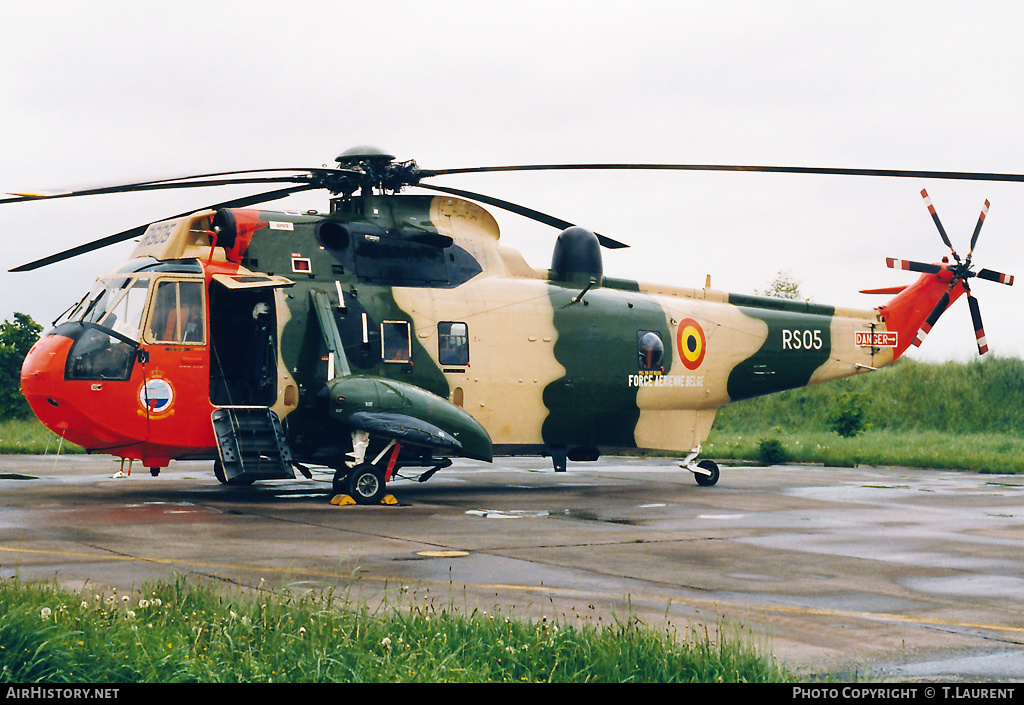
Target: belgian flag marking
<point x="691" y="343"/>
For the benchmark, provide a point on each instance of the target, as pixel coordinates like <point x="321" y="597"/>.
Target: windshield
<point x="117" y="304"/>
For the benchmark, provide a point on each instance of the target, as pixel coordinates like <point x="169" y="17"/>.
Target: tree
<point x="848" y="414"/>
<point x="16" y="338"/>
<point x="784" y="286"/>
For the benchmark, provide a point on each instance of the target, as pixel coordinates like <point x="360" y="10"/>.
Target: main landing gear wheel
<point x="364" y="483"/>
<point x="707" y="480"/>
<point x="222" y="478"/>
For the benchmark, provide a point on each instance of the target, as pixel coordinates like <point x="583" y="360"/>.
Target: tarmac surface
<point x="886" y="573"/>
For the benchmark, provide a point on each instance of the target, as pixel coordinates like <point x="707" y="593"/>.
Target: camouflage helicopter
<point x="399" y="331"/>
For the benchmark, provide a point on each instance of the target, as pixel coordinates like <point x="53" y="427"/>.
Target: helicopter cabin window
<point x="452" y="343"/>
<point x="396" y="341"/>
<point x="177" y="315"/>
<point x="650" y="350"/>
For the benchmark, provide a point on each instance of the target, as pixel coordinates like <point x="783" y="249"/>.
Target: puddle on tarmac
<point x="146" y="513"/>
<point x="974" y="584"/>
<point x="579" y="514"/>
<point x="1004" y="666"/>
<point x="508" y="513"/>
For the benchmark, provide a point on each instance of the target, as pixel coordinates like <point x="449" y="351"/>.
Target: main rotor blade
<point x="979" y="329"/>
<point x="997" y="277"/>
<point x="139" y="230"/>
<point x="911" y="266"/>
<point x="933" y="317"/>
<point x="523" y="211"/>
<point x="223" y="178"/>
<point x="900" y="173"/>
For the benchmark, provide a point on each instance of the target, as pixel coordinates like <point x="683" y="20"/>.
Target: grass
<point x="984" y="396"/>
<point x="965" y="416"/>
<point x="997" y="453"/>
<point x="178" y="632"/>
<point x="29" y="436"/>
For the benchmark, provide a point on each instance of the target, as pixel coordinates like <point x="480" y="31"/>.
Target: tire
<point x="218" y="471"/>
<point x="365" y="484"/>
<point x="707" y="480"/>
<point x="339" y="484"/>
<point x="222" y="478"/>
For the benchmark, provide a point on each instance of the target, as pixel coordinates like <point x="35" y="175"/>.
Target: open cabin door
<point x="251" y="443"/>
<point x="243" y="333"/>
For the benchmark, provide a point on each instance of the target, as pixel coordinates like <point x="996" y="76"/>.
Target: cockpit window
<point x="177" y="314"/>
<point x="125" y="316"/>
<point x="101" y="298"/>
<point x="75" y="312"/>
<point x="100" y="355"/>
<point x="118" y="305"/>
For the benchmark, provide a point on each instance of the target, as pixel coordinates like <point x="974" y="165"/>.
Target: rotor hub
<point x="378" y="170"/>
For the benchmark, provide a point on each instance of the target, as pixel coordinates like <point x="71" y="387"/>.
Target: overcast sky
<point x="107" y="92"/>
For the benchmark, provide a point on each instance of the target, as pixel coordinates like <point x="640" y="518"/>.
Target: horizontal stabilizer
<point x="890" y="290"/>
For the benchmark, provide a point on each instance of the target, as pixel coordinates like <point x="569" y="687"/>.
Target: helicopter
<point x="398" y="331"/>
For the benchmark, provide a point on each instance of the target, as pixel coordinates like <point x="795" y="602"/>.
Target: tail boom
<point x="913" y="312"/>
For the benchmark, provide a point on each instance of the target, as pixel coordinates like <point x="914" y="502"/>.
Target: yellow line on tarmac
<point x="715" y="605"/>
<point x="884" y="617"/>
<point x="103" y="557"/>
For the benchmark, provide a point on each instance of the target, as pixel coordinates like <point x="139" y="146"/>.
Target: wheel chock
<point x="343" y="500"/>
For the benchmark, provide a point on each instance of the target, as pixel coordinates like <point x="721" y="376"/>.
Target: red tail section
<point x="913" y="312"/>
<point x="916" y="309"/>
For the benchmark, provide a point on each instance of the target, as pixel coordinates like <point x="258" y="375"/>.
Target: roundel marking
<point x="156" y="395"/>
<point x="691" y="343"/>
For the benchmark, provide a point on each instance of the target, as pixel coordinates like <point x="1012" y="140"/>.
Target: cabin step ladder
<point x="251" y="444"/>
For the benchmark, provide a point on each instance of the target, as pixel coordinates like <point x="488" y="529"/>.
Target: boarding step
<point x="251" y="444"/>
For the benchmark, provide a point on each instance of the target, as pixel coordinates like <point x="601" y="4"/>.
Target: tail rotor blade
<point x="938" y="223"/>
<point x="979" y="329"/>
<point x="939" y="309"/>
<point x="998" y="277"/>
<point x="911" y="266"/>
<point x="977" y="228"/>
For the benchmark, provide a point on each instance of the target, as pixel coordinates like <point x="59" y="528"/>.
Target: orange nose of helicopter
<point x="82" y="411"/>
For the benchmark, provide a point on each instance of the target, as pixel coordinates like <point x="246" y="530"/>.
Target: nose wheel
<point x="364" y="480"/>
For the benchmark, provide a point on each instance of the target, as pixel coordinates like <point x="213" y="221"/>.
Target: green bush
<point x="16" y="338"/>
<point x="772" y="452"/>
<point x="848" y="415"/>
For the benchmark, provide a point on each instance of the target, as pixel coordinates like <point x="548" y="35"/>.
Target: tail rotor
<point x="959" y="273"/>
